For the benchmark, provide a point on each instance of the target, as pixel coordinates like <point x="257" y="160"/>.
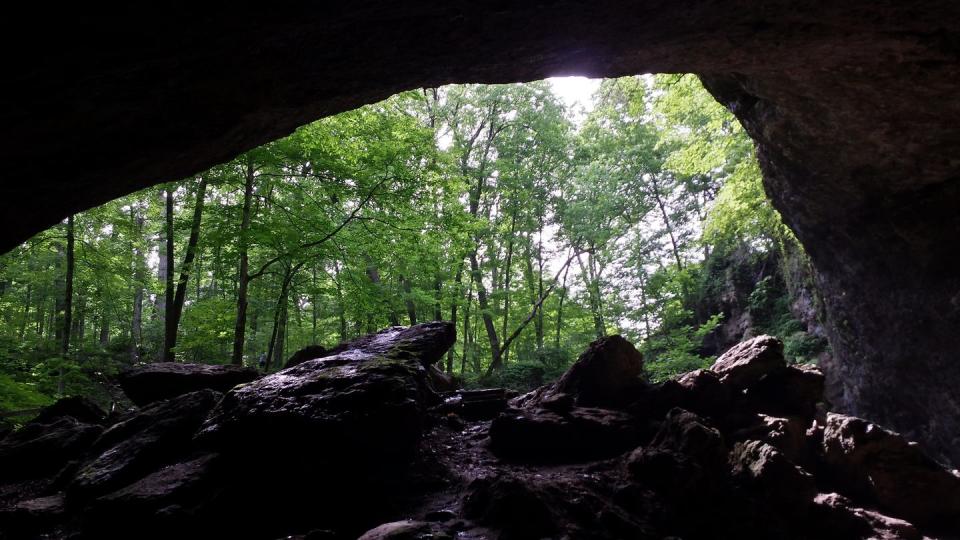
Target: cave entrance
<point x="852" y="107"/>
<point x="537" y="217"/>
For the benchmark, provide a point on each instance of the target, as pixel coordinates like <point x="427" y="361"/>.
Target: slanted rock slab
<point x="877" y="463"/>
<point x="747" y="362"/>
<point x="148" y="383"/>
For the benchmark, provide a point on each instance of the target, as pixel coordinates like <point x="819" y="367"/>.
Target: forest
<point x="532" y="225"/>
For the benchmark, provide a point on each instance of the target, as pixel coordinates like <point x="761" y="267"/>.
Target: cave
<point x="853" y="107"/>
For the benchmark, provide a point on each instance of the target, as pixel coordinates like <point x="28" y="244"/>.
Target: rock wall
<point x="853" y="106"/>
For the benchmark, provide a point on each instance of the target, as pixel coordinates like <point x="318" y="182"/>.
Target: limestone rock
<point x="38" y="450"/>
<point x="366" y="400"/>
<point x="78" y="407"/>
<point x="147" y="383"/>
<point x="749" y="361"/>
<point x="763" y="469"/>
<point x="406" y="530"/>
<point x="702" y="393"/>
<point x="582" y="433"/>
<point x="835" y="516"/>
<point x="607" y="374"/>
<point x="877" y="463"/>
<point x="161" y="502"/>
<point x="310" y="352"/>
<point x="142" y="443"/>
<point x="794" y="391"/>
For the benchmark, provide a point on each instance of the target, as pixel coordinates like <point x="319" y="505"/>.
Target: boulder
<point x="870" y="461"/>
<point x="366" y="400"/>
<point x="747" y="362"/>
<point x="407" y="530"/>
<point x="684" y="461"/>
<point x="147" y="383"/>
<point x="763" y="470"/>
<point x="701" y="392"/>
<point x="310" y="352"/>
<point x="77" y="407"/>
<point x="31" y="517"/>
<point x="38" y="450"/>
<point x="161" y="502"/>
<point x="690" y="435"/>
<point x="834" y="516"/>
<point x="142" y="443"/>
<point x="788" y="435"/>
<point x="519" y="508"/>
<point x="794" y="391"/>
<point x="580" y="434"/>
<point x="608" y="374"/>
<point x="425" y="343"/>
<point x="440" y="381"/>
<point x="480" y="404"/>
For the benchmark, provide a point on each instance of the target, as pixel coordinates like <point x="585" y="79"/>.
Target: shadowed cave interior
<point x="853" y="112"/>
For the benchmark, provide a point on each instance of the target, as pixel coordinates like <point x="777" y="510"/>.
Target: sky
<point x="575" y="90"/>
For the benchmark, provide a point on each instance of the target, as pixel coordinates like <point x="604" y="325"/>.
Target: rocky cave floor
<point x="369" y="440"/>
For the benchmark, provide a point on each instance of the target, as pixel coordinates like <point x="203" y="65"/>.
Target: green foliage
<point x="581" y="226"/>
<point x="676" y="350"/>
<point x="17" y="395"/>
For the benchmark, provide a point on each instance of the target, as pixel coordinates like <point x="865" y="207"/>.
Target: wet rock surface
<point x="357" y="444"/>
<point x="147" y="383"/>
<point x="309" y="352"/>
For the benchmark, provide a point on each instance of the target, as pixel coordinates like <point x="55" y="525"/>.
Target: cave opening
<point x="852" y="109"/>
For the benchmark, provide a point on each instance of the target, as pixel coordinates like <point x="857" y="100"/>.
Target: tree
<point x="175" y="309"/>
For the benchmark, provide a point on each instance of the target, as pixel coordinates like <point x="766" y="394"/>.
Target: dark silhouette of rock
<point x="480" y="404"/>
<point x="161" y="503"/>
<point x="873" y="462"/>
<point x="788" y="435"/>
<point x="358" y="443"/>
<point x="703" y="393"/>
<point x="607" y="374"/>
<point x="874" y="208"/>
<point x="837" y="517"/>
<point x="78" y="407"/>
<point x="406" y="530"/>
<point x="514" y="505"/>
<point x="440" y="381"/>
<point x="749" y="361"/>
<point x="763" y="469"/>
<point x="425" y="343"/>
<point x="142" y="442"/>
<point x="367" y="395"/>
<point x="147" y="383"/>
<point x="580" y="434"/>
<point x="794" y="391"/>
<point x="31" y="517"/>
<point x="38" y="450"/>
<point x="310" y="352"/>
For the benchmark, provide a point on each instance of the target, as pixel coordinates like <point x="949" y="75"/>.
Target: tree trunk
<point x="666" y="222"/>
<point x="68" y="290"/>
<point x="136" y="326"/>
<point x="240" y="328"/>
<point x="278" y="312"/>
<point x="173" y="319"/>
<point x="563" y="295"/>
<point x="507" y="274"/>
<point x="466" y="327"/>
<point x="454" y="302"/>
<point x="495" y="360"/>
<point x="593" y="293"/>
<point x="374" y="274"/>
<point x="166" y="351"/>
<point x="104" y="329"/>
<point x="408" y="300"/>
